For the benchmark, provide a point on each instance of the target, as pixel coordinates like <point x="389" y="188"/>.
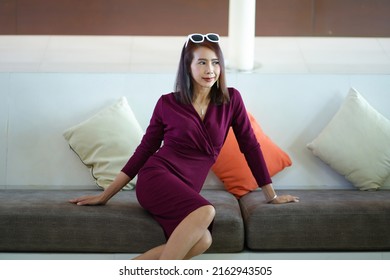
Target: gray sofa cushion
<point x="322" y="220"/>
<point x="38" y="220"/>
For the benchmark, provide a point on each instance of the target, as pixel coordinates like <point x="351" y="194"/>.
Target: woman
<point x="192" y="123"/>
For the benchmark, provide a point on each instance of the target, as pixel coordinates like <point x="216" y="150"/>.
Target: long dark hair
<point x="183" y="87"/>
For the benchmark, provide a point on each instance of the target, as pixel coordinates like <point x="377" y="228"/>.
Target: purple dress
<point x="171" y="176"/>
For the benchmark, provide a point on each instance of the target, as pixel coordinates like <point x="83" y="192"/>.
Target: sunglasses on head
<point x="199" y="38"/>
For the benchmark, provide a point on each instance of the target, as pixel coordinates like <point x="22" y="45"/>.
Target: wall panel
<point x="8" y="17"/>
<point x="177" y="17"/>
<point x="284" y="17"/>
<point x="352" y="18"/>
<point x="121" y="17"/>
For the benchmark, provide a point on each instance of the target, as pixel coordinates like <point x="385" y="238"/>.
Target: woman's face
<point x="205" y="68"/>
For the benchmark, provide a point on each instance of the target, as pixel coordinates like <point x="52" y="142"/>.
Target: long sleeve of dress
<point x="248" y="143"/>
<point x="150" y="143"/>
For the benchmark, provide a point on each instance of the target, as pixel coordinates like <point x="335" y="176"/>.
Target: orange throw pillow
<point x="232" y="169"/>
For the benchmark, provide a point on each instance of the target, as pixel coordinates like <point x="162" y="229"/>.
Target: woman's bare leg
<point x="189" y="239"/>
<point x="152" y="254"/>
<point x="199" y="248"/>
<point x="203" y="244"/>
<point x="190" y="232"/>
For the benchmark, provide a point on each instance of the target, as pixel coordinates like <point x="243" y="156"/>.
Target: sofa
<point x="324" y="220"/>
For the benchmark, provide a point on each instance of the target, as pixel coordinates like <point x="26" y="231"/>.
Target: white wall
<point x="36" y="108"/>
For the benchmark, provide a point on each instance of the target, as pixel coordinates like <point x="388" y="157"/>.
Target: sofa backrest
<point x="36" y="108"/>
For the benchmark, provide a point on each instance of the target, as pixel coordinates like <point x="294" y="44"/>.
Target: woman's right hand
<point x="120" y="181"/>
<point x="88" y="200"/>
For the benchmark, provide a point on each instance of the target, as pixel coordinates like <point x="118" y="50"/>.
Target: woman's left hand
<point x="285" y="199"/>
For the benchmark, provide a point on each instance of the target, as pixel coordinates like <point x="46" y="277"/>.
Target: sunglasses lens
<point x="197" y="38"/>
<point x="213" y="37"/>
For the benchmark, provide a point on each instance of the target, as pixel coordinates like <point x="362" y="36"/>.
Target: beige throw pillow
<point x="356" y="143"/>
<point x="106" y="141"/>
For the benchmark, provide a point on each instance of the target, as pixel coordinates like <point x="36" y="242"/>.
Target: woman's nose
<point x="210" y="69"/>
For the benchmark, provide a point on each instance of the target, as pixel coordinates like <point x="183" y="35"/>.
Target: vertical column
<point x="242" y="14"/>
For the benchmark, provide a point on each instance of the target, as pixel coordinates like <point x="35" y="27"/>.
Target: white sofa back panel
<point x="292" y="110"/>
<point x="4" y="91"/>
<point x="42" y="106"/>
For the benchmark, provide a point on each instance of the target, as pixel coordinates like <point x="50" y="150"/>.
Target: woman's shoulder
<point x="234" y="94"/>
<point x="166" y="97"/>
<point x="233" y="91"/>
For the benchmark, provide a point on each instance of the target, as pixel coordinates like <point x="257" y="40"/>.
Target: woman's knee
<point x="206" y="240"/>
<point x="202" y="245"/>
<point x="208" y="212"/>
<point x="201" y="217"/>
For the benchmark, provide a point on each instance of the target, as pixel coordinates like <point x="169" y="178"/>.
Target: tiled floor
<point x="140" y="54"/>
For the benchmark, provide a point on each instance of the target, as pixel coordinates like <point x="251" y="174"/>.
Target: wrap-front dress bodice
<point x="178" y="150"/>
